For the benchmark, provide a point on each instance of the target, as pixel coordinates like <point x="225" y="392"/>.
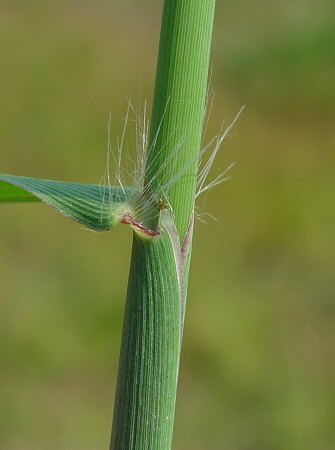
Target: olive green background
<point x="258" y="362"/>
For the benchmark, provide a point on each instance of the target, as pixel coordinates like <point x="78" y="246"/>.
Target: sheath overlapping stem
<point x="150" y="349"/>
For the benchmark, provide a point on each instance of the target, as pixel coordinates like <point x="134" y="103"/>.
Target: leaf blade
<point x="92" y="205"/>
<point x="10" y="193"/>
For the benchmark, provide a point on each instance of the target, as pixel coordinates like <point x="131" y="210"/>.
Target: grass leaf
<point x="94" y="206"/>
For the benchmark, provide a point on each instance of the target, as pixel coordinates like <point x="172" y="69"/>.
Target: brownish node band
<point x="130" y="220"/>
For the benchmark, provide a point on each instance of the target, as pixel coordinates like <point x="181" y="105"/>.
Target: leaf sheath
<point x="146" y="394"/>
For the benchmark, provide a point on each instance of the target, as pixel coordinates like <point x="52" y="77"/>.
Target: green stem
<point x="151" y="340"/>
<point x="179" y="101"/>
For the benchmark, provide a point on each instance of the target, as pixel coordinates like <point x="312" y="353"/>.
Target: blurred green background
<point x="258" y="363"/>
